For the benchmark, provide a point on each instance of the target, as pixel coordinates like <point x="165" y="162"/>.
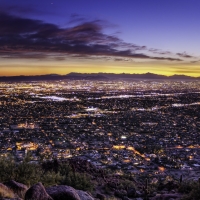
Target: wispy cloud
<point x="180" y="55"/>
<point x="196" y="61"/>
<point x="29" y="38"/>
<point x="184" y="55"/>
<point x="159" y="51"/>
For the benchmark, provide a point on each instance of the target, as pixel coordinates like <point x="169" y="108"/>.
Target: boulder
<point x="37" y="192"/>
<point x="3" y="187"/>
<point x="18" y="188"/>
<point x="63" y="192"/>
<point x="84" y="195"/>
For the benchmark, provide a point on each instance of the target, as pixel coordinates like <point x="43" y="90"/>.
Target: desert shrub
<point x="124" y="184"/>
<point x="27" y="173"/>
<point x="7" y="168"/>
<point x="186" y="186"/>
<point x="51" y="178"/>
<point x="64" y="169"/>
<point x="30" y="173"/>
<point x="194" y="194"/>
<point x="79" y="181"/>
<point x="75" y="179"/>
<point x="24" y="172"/>
<point x="107" y="189"/>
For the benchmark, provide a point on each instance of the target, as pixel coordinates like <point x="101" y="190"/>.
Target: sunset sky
<point x="113" y="36"/>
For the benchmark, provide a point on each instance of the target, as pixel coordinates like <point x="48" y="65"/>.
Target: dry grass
<point x="6" y="192"/>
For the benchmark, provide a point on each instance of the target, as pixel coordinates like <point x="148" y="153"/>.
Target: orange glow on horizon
<point x="40" y="68"/>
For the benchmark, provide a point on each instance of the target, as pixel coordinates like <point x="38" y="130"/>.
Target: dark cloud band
<point x="19" y="36"/>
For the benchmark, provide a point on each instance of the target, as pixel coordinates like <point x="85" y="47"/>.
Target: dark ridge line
<point x="94" y="76"/>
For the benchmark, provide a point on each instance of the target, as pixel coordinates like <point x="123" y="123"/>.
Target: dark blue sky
<point x="162" y="32"/>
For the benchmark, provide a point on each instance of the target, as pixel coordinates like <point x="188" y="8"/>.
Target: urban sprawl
<point x="128" y="126"/>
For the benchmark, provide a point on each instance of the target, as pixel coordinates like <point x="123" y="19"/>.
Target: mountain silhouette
<point x="94" y="76"/>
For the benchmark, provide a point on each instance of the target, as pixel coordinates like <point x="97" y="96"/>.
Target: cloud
<point x="123" y="60"/>
<point x="184" y="55"/>
<point x="159" y="51"/>
<point x="196" y="61"/>
<point x="74" y="18"/>
<point x="19" y="10"/>
<point x="29" y="38"/>
<point x="19" y="55"/>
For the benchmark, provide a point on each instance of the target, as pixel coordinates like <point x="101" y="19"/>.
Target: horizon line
<point x="100" y="73"/>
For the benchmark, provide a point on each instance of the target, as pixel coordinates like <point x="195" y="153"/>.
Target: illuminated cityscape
<point x="130" y="126"/>
<point x="99" y="100"/>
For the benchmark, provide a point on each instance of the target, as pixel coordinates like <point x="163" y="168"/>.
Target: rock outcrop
<point x="37" y="192"/>
<point x="63" y="192"/>
<point x="3" y="187"/>
<point x="18" y="188"/>
<point x="7" y="194"/>
<point x="13" y="190"/>
<point x="84" y="195"/>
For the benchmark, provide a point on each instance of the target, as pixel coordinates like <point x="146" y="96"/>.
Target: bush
<point x="30" y="173"/>
<point x="194" y="191"/>
<point x="26" y="172"/>
<point x="64" y="169"/>
<point x="79" y="181"/>
<point x="51" y="178"/>
<point x="124" y="184"/>
<point x="7" y="168"/>
<point x="186" y="186"/>
<point x="107" y="189"/>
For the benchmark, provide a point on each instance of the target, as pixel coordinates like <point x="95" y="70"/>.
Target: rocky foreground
<point x="19" y="191"/>
<point x="105" y="186"/>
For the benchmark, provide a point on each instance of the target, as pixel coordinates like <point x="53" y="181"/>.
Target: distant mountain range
<point x="95" y="76"/>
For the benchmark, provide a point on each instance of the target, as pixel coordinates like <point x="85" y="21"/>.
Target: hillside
<point x="55" y="180"/>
